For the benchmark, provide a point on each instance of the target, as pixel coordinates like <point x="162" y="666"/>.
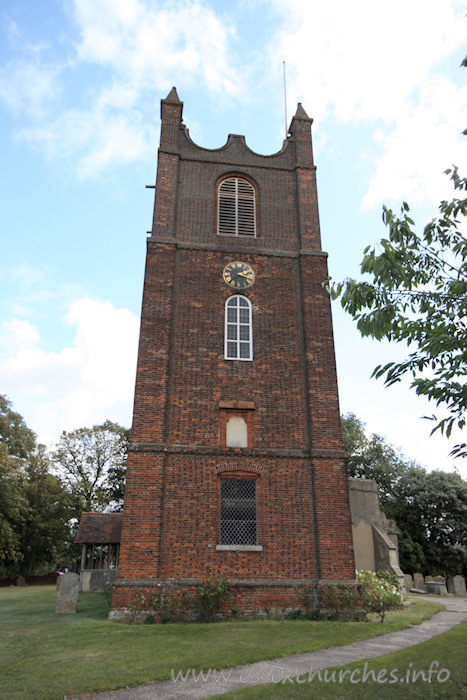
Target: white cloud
<point x="95" y="138"/>
<point x="361" y="59"/>
<point x="142" y="49"/>
<point x="29" y="288"/>
<point x="358" y="62"/>
<point x="27" y="276"/>
<point x="11" y="30"/>
<point x="146" y="43"/>
<point x="82" y="384"/>
<point x="18" y="335"/>
<point x="426" y="141"/>
<point x="364" y="62"/>
<point x="28" y="86"/>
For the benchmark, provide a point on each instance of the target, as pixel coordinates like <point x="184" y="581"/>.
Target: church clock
<point x="238" y="275"/>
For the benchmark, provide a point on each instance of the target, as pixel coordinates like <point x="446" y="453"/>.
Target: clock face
<point x="238" y="275"/>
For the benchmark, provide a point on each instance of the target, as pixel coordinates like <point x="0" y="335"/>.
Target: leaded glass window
<point x="238" y="512"/>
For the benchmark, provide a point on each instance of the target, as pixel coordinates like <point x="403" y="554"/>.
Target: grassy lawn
<point x="447" y="649"/>
<point x="48" y="656"/>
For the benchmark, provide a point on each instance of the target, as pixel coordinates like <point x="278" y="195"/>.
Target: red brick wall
<point x="186" y="390"/>
<point x="154" y="346"/>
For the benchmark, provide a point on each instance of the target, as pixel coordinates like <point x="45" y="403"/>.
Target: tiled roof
<point x="99" y="527"/>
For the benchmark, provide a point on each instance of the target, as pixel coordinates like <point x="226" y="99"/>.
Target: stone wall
<point x="374" y="536"/>
<point x="94" y="581"/>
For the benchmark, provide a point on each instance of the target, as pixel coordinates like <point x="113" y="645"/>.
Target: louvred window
<point x="236" y="210"/>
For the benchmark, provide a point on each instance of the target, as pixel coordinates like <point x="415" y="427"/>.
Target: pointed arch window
<point x="238" y="328"/>
<point x="236" y="207"/>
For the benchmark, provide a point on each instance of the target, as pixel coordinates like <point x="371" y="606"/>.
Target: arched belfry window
<point x="236" y="207"/>
<point x="238" y="328"/>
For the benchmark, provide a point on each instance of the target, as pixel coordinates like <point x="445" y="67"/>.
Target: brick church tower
<point x="236" y="459"/>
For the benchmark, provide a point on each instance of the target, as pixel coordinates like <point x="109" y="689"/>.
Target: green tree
<point x="45" y="528"/>
<point x="13" y="508"/>
<point x="430" y="509"/>
<point x="15" y="436"/>
<point x="117" y="474"/>
<point x="92" y="462"/>
<point x="371" y="457"/>
<point x="411" y="555"/>
<point x="417" y="294"/>
<point x="16" y="443"/>
<point x="34" y="505"/>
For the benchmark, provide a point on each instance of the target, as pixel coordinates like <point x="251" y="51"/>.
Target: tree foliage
<point x="45" y="530"/>
<point x="371" y="457"/>
<point x="417" y="294"/>
<point x="39" y="510"/>
<point x="430" y="508"/>
<point x="411" y="555"/>
<point x="13" y="507"/>
<point x="15" y="436"/>
<point x="34" y="506"/>
<point x="92" y="462"/>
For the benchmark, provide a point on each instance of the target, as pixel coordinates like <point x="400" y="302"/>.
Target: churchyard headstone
<point x="436" y="585"/>
<point x="419" y="582"/>
<point x="456" y="585"/>
<point x="67" y="596"/>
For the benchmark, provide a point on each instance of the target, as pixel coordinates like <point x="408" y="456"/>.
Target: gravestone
<point x="21" y="581"/>
<point x="408" y="582"/>
<point x="436" y="585"/>
<point x="67" y="594"/>
<point x="419" y="582"/>
<point x="456" y="585"/>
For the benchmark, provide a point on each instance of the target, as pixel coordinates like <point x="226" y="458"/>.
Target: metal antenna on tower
<point x="285" y="101"/>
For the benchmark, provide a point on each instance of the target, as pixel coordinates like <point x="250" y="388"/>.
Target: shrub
<point x="202" y="601"/>
<point x="213" y="593"/>
<point x="380" y="592"/>
<point x="108" y="591"/>
<point x="137" y="605"/>
<point x="338" y="597"/>
<point x="170" y="605"/>
<point x="307" y="599"/>
<point x="327" y="600"/>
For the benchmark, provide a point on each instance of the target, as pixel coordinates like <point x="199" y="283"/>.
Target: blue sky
<point x="80" y="89"/>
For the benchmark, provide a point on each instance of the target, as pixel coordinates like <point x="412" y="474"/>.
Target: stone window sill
<point x="239" y="547"/>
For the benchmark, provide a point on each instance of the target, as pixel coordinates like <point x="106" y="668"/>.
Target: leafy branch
<point x="417" y="294"/>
